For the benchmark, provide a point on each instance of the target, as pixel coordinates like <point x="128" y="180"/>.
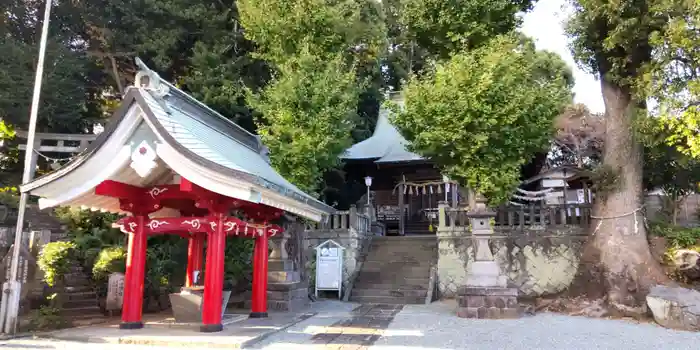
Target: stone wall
<point x="40" y="227"/>
<point x="538" y="262"/>
<point x="352" y="239"/>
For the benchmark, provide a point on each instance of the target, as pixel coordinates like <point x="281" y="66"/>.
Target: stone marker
<point x="675" y="307"/>
<point x="115" y="292"/>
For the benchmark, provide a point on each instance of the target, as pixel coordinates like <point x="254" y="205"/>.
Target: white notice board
<point x="329" y="266"/>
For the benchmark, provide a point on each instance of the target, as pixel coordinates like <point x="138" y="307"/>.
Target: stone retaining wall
<point x="538" y="262"/>
<point x="353" y="241"/>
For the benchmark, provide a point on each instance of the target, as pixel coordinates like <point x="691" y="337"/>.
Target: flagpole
<point x="11" y="289"/>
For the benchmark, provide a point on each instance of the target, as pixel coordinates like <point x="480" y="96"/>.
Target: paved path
<point x="434" y="327"/>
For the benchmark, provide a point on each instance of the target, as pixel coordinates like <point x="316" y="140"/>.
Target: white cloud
<point x="545" y="24"/>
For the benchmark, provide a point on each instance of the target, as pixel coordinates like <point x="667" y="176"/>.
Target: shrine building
<point x="172" y="165"/>
<point x="406" y="187"/>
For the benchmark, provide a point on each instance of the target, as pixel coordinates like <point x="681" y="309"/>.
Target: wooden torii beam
<point x="64" y="143"/>
<point x="59" y="143"/>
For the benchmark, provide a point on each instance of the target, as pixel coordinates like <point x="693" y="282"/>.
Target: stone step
<point x="394" y="274"/>
<point x="387" y="300"/>
<point x="82" y="311"/>
<point x="294" y="305"/>
<point x="89" y="295"/>
<point x="396" y="264"/>
<point x="402" y="248"/>
<point x="389" y="292"/>
<point x="391" y="279"/>
<point x="414" y="239"/>
<point x="78" y="289"/>
<point x="404" y="245"/>
<point x="388" y="256"/>
<point x="80" y="303"/>
<point x="425" y="246"/>
<point x="402" y="286"/>
<point x="418" y="271"/>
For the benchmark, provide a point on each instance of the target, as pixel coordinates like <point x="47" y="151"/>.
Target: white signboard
<point x="329" y="267"/>
<point x="115" y="291"/>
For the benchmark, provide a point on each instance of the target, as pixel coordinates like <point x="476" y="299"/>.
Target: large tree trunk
<point x="617" y="264"/>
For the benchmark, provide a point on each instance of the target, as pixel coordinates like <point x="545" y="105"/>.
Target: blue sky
<point x="545" y="25"/>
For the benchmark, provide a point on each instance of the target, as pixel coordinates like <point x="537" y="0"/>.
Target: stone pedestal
<point x="487" y="302"/>
<point x="485" y="274"/>
<point x="285" y="290"/>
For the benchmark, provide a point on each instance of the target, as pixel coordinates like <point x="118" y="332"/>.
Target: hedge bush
<point x="109" y="260"/>
<point x="55" y="260"/>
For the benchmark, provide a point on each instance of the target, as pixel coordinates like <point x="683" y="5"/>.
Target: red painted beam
<point x="111" y="188"/>
<point x="208" y="224"/>
<point x="117" y="189"/>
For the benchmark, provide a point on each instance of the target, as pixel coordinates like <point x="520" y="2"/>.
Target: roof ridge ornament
<point x="148" y="79"/>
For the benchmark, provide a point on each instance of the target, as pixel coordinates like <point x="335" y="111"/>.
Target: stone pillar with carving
<point x="486" y="293"/>
<point x="452" y="252"/>
<point x="285" y="289"/>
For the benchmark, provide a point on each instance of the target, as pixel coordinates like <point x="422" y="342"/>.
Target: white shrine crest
<point x="143" y="159"/>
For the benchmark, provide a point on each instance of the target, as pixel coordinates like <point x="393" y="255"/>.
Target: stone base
<point x="487" y="302"/>
<point x="131" y="325"/>
<point x="211" y="328"/>
<point x="284" y="297"/>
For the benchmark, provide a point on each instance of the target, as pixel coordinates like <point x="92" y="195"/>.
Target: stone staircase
<point x="396" y="270"/>
<point x="419" y="227"/>
<point x="79" y="298"/>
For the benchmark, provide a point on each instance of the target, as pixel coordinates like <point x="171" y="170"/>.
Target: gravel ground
<point x="433" y="327"/>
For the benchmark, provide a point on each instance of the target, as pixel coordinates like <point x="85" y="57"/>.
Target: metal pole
<point x="11" y="288"/>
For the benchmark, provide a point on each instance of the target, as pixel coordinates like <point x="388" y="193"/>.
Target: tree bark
<point x="617" y="264"/>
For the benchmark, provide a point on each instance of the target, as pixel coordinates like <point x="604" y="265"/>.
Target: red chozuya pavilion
<point x="175" y="166"/>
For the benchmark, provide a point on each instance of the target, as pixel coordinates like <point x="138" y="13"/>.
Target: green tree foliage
<point x="444" y="27"/>
<point x="309" y="112"/>
<point x="484" y="113"/>
<point x="65" y="73"/>
<point x="672" y="78"/>
<point x="322" y="52"/>
<point x="323" y="28"/>
<point x="55" y="261"/>
<point x="109" y="260"/>
<point x="420" y="31"/>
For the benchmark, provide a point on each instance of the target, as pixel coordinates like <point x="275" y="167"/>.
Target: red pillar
<point x="214" y="279"/>
<point x="134" y="279"/>
<point x="195" y="251"/>
<point x="259" y="307"/>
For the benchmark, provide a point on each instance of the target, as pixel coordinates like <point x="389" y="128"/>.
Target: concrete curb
<point x="127" y="340"/>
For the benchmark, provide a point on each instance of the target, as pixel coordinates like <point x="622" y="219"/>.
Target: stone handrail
<point x="521" y="217"/>
<point x="344" y="220"/>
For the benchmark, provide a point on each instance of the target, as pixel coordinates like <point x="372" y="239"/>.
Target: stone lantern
<point x="486" y="293"/>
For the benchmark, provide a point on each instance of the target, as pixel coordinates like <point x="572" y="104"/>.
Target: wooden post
<point x="195" y="249"/>
<point x="134" y="278"/>
<point x="214" y="279"/>
<point x="564" y="213"/>
<point x="455" y="197"/>
<point x="442" y="224"/>
<point x="259" y="305"/>
<point x="402" y="214"/>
